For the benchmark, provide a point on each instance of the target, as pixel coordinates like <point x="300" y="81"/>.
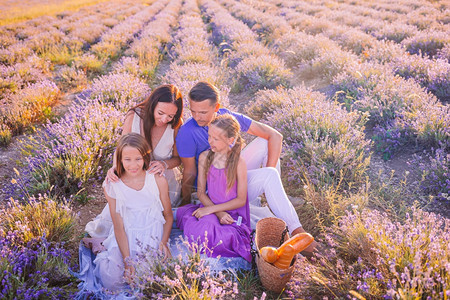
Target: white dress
<point x="143" y="220"/>
<point x="101" y="225"/>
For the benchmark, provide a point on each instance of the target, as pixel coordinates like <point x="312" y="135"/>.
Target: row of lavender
<point x="88" y="120"/>
<point x="327" y="138"/>
<point x="423" y="58"/>
<point x="30" y="51"/>
<point x="323" y="141"/>
<point x="70" y="162"/>
<point x="430" y="73"/>
<point x="195" y="58"/>
<point x="422" y="26"/>
<point x="400" y="111"/>
<point x="66" y="157"/>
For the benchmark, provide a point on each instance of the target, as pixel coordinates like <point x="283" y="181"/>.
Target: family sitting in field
<point x="145" y="183"/>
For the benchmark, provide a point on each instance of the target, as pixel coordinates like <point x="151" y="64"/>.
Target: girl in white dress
<point x="157" y="119"/>
<point x="140" y="209"/>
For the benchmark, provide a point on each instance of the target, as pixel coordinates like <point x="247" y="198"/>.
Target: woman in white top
<point x="157" y="119"/>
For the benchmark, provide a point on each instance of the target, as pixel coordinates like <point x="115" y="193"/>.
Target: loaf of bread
<point x="282" y="256"/>
<point x="269" y="254"/>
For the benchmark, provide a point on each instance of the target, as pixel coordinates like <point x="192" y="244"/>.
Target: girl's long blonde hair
<point x="231" y="127"/>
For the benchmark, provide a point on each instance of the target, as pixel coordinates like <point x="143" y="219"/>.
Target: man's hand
<point x="187" y="183"/>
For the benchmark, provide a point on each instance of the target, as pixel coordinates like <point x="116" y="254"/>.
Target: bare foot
<point x="95" y="244"/>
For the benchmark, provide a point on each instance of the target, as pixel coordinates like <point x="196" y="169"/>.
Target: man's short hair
<point x="204" y="91"/>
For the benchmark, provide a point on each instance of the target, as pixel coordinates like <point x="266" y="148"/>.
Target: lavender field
<point x="359" y="89"/>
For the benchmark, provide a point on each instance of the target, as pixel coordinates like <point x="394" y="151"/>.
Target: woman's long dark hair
<point x="167" y="93"/>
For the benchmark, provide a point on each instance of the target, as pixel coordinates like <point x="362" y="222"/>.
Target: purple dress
<point x="235" y="239"/>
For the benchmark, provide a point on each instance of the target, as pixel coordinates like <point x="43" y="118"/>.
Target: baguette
<point x="285" y="258"/>
<point x="300" y="242"/>
<point x="269" y="254"/>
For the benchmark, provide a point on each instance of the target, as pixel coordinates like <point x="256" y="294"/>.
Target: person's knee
<point x="112" y="276"/>
<point x="258" y="143"/>
<point x="271" y="172"/>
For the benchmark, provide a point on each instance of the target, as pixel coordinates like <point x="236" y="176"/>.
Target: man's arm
<point x="189" y="174"/>
<point x="273" y="137"/>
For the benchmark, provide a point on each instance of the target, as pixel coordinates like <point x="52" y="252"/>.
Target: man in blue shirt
<point x="261" y="155"/>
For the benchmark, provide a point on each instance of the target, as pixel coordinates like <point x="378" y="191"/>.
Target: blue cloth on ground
<point x="216" y="264"/>
<point x="91" y="288"/>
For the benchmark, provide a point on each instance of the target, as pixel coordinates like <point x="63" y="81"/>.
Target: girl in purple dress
<point x="222" y="190"/>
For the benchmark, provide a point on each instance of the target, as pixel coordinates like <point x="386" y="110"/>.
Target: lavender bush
<point x="384" y="52"/>
<point x="20" y="75"/>
<point x="444" y="53"/>
<point x="373" y="257"/>
<point x="123" y="90"/>
<point x="396" y="32"/>
<point x="390" y="99"/>
<point x="434" y="75"/>
<point x="89" y="63"/>
<point x="188" y="277"/>
<point x="435" y="169"/>
<point x="389" y="140"/>
<point x="426" y="43"/>
<point x="31" y="105"/>
<point x="72" y="77"/>
<point x="38" y="217"/>
<point x="69" y="154"/>
<point x="323" y="143"/>
<point x="33" y="270"/>
<point x="260" y="72"/>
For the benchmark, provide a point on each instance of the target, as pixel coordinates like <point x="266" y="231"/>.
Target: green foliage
<point x="39" y="217"/>
<point x="5" y="135"/>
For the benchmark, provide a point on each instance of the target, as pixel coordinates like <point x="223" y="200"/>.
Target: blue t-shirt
<point x="192" y="139"/>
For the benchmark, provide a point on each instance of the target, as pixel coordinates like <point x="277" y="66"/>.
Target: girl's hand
<point x="224" y="218"/>
<point x="165" y="250"/>
<point x="111" y="176"/>
<point x="202" y="211"/>
<point x="129" y="273"/>
<point x="157" y="167"/>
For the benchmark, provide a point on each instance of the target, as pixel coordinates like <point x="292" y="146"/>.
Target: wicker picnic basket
<point x="269" y="232"/>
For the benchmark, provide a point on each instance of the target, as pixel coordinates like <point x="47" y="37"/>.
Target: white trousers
<point x="262" y="179"/>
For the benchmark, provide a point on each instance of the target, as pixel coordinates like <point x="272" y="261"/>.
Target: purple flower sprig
<point x="188" y="275"/>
